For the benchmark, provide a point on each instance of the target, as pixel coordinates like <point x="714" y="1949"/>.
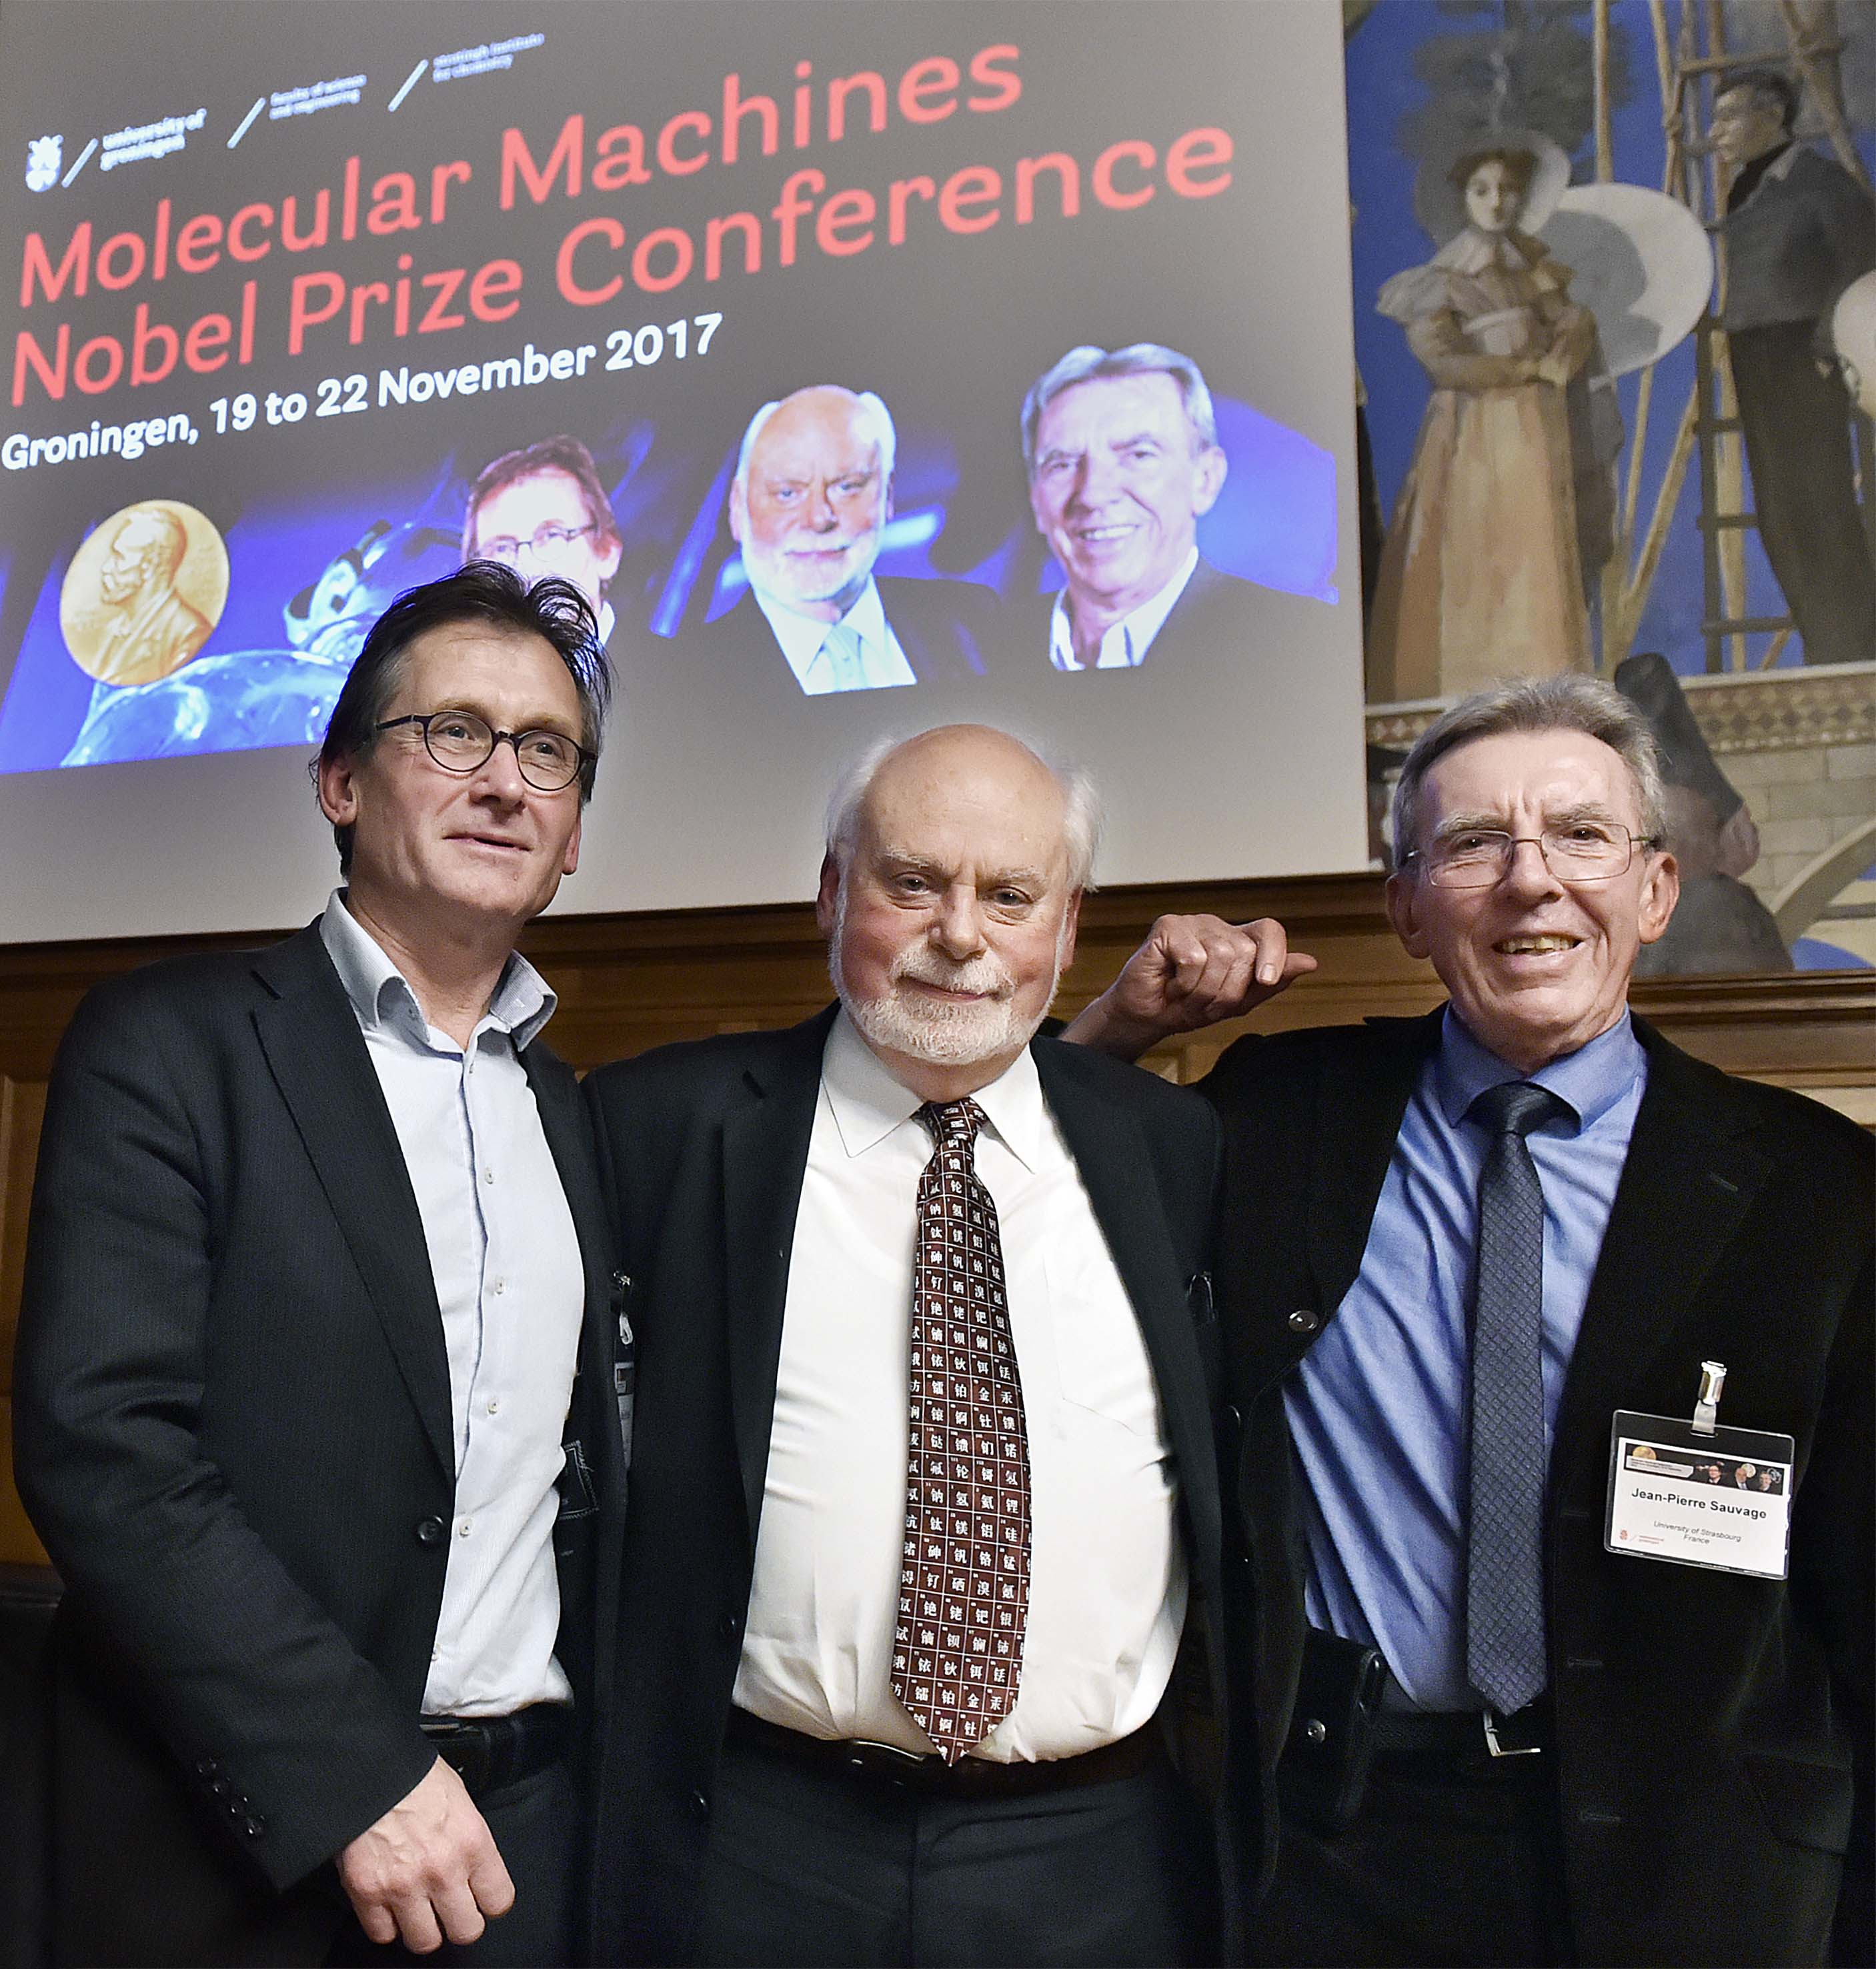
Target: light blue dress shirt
<point x="882" y="663"/>
<point x="1378" y="1408"/>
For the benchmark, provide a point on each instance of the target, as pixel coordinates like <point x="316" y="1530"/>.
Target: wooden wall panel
<point x="628" y="982"/>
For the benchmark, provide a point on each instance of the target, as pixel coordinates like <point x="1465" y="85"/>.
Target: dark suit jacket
<point x="1220" y="619"/>
<point x="703" y="1148"/>
<point x="1804" y="232"/>
<point x="1712" y="1730"/>
<point x="947" y="630"/>
<point x="234" y="1435"/>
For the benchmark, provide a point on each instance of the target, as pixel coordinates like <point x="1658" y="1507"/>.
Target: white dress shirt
<point x="882" y="662"/>
<point x="1126" y="644"/>
<point x="506" y="1262"/>
<point x="1107" y="1595"/>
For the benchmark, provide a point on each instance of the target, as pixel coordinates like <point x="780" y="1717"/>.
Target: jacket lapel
<point x="1688" y="1166"/>
<point x="569" y="1142"/>
<point x="1110" y="1149"/>
<point x="317" y="1055"/>
<point x="1364" y="1097"/>
<point x="765" y="1156"/>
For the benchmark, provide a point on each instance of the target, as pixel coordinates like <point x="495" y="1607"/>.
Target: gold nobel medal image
<point x="144" y="592"/>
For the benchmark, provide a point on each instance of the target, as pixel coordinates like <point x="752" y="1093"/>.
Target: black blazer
<point x="703" y="1147"/>
<point x="1712" y="1731"/>
<point x="233" y="1434"/>
<point x="1220" y="622"/>
<point x="947" y="629"/>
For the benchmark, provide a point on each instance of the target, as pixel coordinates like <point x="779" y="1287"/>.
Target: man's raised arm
<point x="1191" y="972"/>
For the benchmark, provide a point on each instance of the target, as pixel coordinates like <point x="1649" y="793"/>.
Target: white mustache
<point x="983" y="975"/>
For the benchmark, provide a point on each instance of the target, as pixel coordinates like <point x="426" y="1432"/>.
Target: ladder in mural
<point x="1810" y="57"/>
<point x="1687" y="61"/>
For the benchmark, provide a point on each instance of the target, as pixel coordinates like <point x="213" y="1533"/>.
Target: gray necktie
<point x="842" y="646"/>
<point x="1505" y="1639"/>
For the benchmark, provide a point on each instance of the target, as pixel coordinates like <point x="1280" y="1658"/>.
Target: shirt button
<point x="1303" y="1321"/>
<point x="499" y="1287"/>
<point x="464" y="1527"/>
<point x="494" y="1408"/>
<point x="489" y="1175"/>
<point x="431" y="1531"/>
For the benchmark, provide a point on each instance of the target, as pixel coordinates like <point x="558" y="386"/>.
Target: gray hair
<point x="872" y="408"/>
<point x="1567" y="703"/>
<point x="1139" y="359"/>
<point x="1082" y="820"/>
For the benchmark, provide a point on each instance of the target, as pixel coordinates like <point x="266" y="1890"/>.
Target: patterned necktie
<point x="1504" y="1637"/>
<point x="841" y="646"/>
<point x="957" y="1646"/>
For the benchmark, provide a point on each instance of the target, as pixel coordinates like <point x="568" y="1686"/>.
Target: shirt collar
<point x="868" y="1102"/>
<point x="801" y="636"/>
<point x="381" y="997"/>
<point x="1127" y="641"/>
<point x="1591" y="1080"/>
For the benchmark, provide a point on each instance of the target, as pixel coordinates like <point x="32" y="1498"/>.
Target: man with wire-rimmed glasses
<point x="541" y="509"/>
<point x="320" y="1395"/>
<point x="1452" y="1248"/>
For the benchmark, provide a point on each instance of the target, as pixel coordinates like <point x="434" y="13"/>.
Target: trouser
<point x="1454" y="1860"/>
<point x="1796" y="425"/>
<point x="536" y="1823"/>
<point x="809" y="1865"/>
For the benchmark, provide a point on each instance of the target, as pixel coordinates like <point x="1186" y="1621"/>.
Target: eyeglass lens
<point x="461" y="741"/>
<point x="1579" y="853"/>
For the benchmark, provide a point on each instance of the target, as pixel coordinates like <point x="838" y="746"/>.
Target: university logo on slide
<point x="44" y="156"/>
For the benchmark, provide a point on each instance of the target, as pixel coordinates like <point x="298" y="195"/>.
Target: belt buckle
<point x="1499" y="1749"/>
<point x="861" y="1751"/>
<point x="468" y="1751"/>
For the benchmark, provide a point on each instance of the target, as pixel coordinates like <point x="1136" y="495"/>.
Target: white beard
<point x="938" y="1033"/>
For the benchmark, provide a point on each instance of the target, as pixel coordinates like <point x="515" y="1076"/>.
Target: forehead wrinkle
<point x="539" y="721"/>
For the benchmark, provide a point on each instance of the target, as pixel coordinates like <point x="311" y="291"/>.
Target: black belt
<point x="487" y="1752"/>
<point x="1466" y="1738"/>
<point x="969" y="1777"/>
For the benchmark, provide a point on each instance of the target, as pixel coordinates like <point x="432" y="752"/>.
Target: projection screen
<point x="306" y="302"/>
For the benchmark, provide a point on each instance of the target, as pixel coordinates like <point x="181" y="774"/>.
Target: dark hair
<point x="1766" y="86"/>
<point x="1522" y="165"/>
<point x="551" y="454"/>
<point x="479" y="591"/>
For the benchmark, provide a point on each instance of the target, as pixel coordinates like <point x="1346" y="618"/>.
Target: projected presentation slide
<point x="866" y="365"/>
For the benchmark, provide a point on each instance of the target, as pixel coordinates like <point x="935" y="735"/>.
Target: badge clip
<point x="1706" y="1406"/>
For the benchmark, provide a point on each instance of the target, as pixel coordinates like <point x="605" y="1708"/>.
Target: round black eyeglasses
<point x="461" y="742"/>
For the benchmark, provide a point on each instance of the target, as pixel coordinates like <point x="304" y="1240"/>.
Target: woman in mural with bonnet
<point x="1481" y="572"/>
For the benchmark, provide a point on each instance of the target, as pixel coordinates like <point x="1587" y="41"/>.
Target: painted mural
<point x="1615" y="268"/>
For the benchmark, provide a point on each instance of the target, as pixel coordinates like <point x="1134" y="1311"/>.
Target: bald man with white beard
<point x="809" y="506"/>
<point x="952" y="1693"/>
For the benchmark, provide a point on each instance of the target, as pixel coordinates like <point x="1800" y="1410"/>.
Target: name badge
<point x="1715" y="1497"/>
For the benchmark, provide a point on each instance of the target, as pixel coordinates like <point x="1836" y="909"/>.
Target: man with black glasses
<point x="315" y="1394"/>
<point x="1560" y="1700"/>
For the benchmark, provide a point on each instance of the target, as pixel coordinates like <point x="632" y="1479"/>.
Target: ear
<point x="569" y="862"/>
<point x="889" y="484"/>
<point x="1403" y="897"/>
<point x="1209" y="481"/>
<point x="1660" y="890"/>
<point x="827" y="895"/>
<point x="609" y="558"/>
<point x="339" y="798"/>
<point x="1071" y="922"/>
<point x="739" y="510"/>
<point x="1037" y="510"/>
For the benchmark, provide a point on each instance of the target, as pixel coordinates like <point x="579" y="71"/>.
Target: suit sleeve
<point x="242" y="1674"/>
<point x="1833" y="1553"/>
<point x="1846" y="216"/>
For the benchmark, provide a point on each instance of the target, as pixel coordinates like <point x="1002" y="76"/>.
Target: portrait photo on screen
<point x="866" y="367"/>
